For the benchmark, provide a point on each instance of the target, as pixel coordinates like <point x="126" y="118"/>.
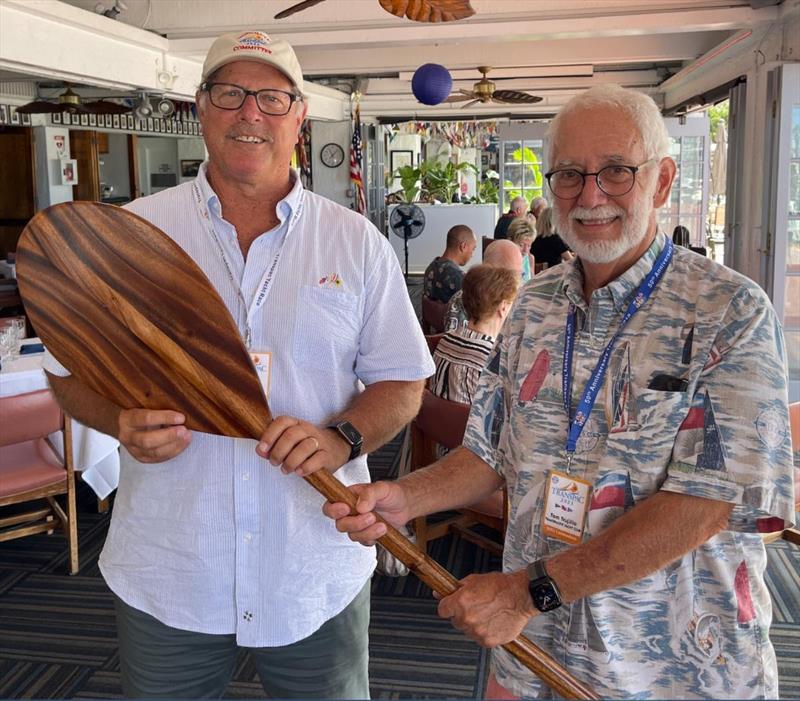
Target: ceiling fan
<point x="70" y="101"/>
<point x="415" y="10"/>
<point x="485" y="91"/>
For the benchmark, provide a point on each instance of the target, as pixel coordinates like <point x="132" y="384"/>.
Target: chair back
<point x="441" y="420"/>
<point x="433" y="313"/>
<point x="433" y="341"/>
<point x="29" y="416"/>
<point x="794" y="423"/>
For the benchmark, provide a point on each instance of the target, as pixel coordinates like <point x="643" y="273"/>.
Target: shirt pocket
<point x="645" y="447"/>
<point x="326" y="329"/>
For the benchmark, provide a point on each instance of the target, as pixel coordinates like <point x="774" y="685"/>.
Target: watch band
<point x="543" y="590"/>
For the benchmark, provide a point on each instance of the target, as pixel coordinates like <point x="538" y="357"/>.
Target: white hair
<point x="639" y="107"/>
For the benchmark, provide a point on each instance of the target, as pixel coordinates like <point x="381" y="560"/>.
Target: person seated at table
<point x="538" y="205"/>
<point x="516" y="209"/>
<point x="548" y="248"/>
<point x="522" y="233"/>
<point x="444" y="275"/>
<point x="503" y="254"/>
<point x="487" y="292"/>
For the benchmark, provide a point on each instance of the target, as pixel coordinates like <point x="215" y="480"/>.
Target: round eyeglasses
<point x="614" y="181"/>
<point x="227" y="96"/>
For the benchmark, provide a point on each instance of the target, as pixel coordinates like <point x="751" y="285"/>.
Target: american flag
<point x="355" y="163"/>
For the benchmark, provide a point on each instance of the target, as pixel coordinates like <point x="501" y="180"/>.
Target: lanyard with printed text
<point x="589" y="396"/>
<point x="269" y="272"/>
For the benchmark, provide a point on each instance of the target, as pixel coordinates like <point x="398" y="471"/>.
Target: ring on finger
<point x="316" y="443"/>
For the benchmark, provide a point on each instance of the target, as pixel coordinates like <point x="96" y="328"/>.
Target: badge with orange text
<point x="566" y="501"/>
<point x="262" y="360"/>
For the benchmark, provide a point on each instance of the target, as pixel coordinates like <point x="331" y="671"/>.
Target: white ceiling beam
<point x="517" y="72"/>
<point x="666" y="47"/>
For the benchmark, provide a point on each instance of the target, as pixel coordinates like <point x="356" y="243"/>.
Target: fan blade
<point x="42" y="107"/>
<point x="460" y="98"/>
<point x="429" y="10"/>
<point x="103" y="107"/>
<point x="299" y="7"/>
<point x="39" y="107"/>
<point x="469" y="104"/>
<point x="515" y="97"/>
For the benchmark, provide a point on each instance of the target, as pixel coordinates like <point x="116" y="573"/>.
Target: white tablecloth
<point x="95" y="454"/>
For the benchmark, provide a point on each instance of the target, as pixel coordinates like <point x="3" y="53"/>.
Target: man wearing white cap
<point x="210" y="547"/>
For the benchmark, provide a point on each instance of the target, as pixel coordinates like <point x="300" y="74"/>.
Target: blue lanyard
<point x="595" y="382"/>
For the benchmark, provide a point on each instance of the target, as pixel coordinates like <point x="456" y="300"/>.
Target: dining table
<point x="95" y="454"/>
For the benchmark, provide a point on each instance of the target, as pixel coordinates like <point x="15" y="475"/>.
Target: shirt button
<point x="246" y="476"/>
<point x="248" y="616"/>
<point x="248" y="537"/>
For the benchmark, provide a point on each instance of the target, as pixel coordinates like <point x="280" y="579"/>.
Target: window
<point x="686" y="199"/>
<point x="522" y="170"/>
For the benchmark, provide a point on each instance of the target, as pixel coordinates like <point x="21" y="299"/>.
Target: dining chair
<point x="433" y="341"/>
<point x="33" y="474"/>
<point x="442" y="422"/>
<point x="433" y="313"/>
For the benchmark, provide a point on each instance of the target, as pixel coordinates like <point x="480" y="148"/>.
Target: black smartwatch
<point x="543" y="590"/>
<point x="351" y="436"/>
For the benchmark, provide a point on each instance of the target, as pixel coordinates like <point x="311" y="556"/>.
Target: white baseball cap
<point x="254" y="45"/>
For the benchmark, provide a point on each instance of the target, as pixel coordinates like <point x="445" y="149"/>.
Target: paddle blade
<point x="131" y="315"/>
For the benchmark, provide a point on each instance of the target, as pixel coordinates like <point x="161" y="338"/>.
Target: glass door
<point x="783" y="210"/>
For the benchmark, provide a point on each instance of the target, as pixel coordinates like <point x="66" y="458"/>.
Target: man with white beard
<point x="636" y="410"/>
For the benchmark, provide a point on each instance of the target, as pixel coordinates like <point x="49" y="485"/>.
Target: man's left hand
<point x="492" y="609"/>
<point x="300" y="447"/>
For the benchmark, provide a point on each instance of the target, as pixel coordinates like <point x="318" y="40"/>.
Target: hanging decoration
<point x="466" y="134"/>
<point x="431" y="84"/>
<point x="355" y="157"/>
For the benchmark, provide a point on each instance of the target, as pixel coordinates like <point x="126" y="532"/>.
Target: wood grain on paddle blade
<point x="129" y="314"/>
<point x="126" y="310"/>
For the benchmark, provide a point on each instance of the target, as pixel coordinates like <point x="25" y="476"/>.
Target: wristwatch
<point x="543" y="590"/>
<point x="351" y="436"/>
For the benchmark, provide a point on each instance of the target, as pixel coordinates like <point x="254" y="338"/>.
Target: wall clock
<point x="332" y="155"/>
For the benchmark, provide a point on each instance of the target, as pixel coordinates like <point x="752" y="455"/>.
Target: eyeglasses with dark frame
<point x="613" y="180"/>
<point x="228" y="96"/>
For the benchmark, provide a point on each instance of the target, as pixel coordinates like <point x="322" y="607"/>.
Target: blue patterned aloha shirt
<point x="699" y="627"/>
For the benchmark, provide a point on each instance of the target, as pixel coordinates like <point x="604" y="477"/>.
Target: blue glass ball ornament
<point x="431" y="84"/>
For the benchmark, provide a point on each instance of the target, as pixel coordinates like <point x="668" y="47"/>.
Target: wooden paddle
<point x="131" y="316"/>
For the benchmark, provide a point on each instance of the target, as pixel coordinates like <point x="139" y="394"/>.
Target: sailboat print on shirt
<point x="699" y="436"/>
<point x="621" y="409"/>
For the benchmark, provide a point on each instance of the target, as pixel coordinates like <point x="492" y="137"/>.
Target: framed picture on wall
<point x="14" y="115"/>
<point x="157" y="124"/>
<point x="398" y="159"/>
<point x="179" y="127"/>
<point x="84" y="120"/>
<point x="3" y="114"/>
<point x="115" y="121"/>
<point x="26" y="120"/>
<point x="92" y="120"/>
<point x="129" y="120"/>
<point x="150" y="125"/>
<point x="56" y="117"/>
<point x="190" y="168"/>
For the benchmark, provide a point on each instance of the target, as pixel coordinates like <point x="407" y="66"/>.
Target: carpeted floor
<point x="58" y="636"/>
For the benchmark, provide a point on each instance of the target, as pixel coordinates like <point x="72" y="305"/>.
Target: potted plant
<point x="409" y="182"/>
<point x="441" y="180"/>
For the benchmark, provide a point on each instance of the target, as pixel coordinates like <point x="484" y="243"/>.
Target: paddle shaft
<point x="443" y="583"/>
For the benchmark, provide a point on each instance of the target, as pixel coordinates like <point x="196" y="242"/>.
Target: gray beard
<point x="634" y="229"/>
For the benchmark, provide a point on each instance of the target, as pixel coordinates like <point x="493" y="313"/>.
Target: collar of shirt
<point x="622" y="287"/>
<point x="284" y="209"/>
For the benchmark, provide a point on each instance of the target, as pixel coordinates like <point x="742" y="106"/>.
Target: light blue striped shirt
<point x="217" y="540"/>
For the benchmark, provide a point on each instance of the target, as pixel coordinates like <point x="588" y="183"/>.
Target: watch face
<point x="332" y="155"/>
<point x="350" y="433"/>
<point x="545" y="597"/>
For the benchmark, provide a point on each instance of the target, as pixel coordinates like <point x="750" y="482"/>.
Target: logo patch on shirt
<point x="331" y="280"/>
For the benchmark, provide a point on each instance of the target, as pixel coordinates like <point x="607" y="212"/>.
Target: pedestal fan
<point x="407" y="221"/>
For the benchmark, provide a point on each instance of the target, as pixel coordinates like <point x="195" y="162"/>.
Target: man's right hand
<point x="152" y="435"/>
<point x="387" y="498"/>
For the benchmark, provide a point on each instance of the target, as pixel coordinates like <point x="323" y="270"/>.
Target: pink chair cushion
<point x="24" y="417"/>
<point x="29" y="465"/>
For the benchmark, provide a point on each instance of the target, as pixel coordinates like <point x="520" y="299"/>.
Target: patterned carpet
<point x="58" y="636"/>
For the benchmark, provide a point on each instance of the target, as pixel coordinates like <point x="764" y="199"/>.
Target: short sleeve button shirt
<point x="699" y="627"/>
<point x="443" y="279"/>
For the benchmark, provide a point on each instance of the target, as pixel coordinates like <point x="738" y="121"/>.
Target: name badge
<point x="566" y="501"/>
<point x="262" y="361"/>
